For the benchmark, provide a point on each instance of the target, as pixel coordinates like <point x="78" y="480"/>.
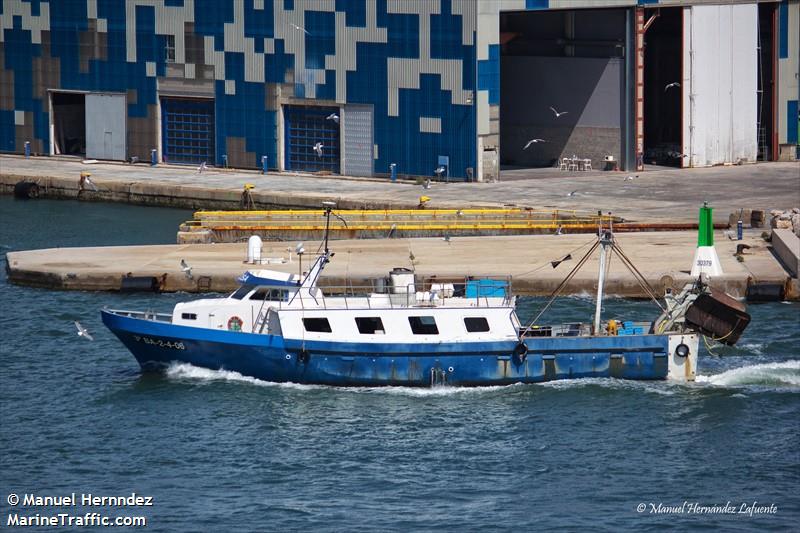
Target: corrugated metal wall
<point x="788" y="76"/>
<point x="719" y="84"/>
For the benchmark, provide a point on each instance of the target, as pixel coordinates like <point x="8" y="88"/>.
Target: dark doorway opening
<point x="766" y="82"/>
<point x="562" y="80"/>
<point x="69" y="123"/>
<point x="663" y="59"/>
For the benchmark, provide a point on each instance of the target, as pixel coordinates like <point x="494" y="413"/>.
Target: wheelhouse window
<point x="319" y="325"/>
<point x="189" y="316"/>
<point x="423" y="325"/>
<point x="370" y="325"/>
<point x="242" y="291"/>
<point x="476" y="324"/>
<point x="272" y="295"/>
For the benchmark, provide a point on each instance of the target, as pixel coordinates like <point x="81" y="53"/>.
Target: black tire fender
<point x="520" y="353"/>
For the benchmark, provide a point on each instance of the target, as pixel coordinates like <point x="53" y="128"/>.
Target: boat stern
<point x="682" y="356"/>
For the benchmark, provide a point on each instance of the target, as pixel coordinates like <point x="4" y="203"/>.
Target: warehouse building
<point x="359" y="87"/>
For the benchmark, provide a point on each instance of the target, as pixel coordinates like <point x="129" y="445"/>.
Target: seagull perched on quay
<point x="82" y="332"/>
<point x="186" y="269"/>
<point x="573" y="193"/>
<point x="299" y="28"/>
<point x="334" y="117"/>
<point x="557" y="113"/>
<point x="318" y="149"/>
<point x="202" y="167"/>
<point x="534" y="141"/>
<point x="86" y="181"/>
<point x="673" y="84"/>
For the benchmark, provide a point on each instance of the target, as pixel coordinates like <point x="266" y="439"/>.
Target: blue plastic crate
<point x="486" y="288"/>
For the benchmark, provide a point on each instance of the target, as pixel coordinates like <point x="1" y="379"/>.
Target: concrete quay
<point x="656" y="195"/>
<point x="663" y="258"/>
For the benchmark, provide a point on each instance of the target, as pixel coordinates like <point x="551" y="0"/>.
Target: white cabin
<point x="276" y="303"/>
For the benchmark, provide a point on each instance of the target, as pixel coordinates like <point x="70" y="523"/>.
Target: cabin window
<point x="370" y="325"/>
<point x="189" y="316"/>
<point x="320" y="325"/>
<point x="423" y="325"/>
<point x="476" y="324"/>
<point x="272" y="295"/>
<point x="242" y="291"/>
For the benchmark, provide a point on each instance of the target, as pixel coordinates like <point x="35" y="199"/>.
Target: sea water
<point x="218" y="451"/>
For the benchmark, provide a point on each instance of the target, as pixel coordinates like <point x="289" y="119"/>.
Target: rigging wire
<point x="549" y="262"/>
<point x="561" y="286"/>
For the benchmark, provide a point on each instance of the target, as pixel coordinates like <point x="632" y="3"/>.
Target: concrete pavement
<point x="663" y="258"/>
<point x="663" y="195"/>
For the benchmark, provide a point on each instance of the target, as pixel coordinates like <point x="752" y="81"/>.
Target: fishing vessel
<point x="284" y="327"/>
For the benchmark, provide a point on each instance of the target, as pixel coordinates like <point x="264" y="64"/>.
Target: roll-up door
<point x="304" y="127"/>
<point x="105" y="126"/>
<point x="187" y="130"/>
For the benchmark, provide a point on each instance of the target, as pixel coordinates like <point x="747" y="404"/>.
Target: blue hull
<point x="272" y="358"/>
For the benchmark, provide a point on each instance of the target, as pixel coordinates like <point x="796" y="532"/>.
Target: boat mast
<point x="606" y="241"/>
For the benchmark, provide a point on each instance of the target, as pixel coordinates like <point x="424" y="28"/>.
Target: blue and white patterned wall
<point x="412" y="60"/>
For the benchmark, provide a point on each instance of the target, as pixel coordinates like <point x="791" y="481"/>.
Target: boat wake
<point x="185" y="371"/>
<point x="663" y="388"/>
<point x="785" y="374"/>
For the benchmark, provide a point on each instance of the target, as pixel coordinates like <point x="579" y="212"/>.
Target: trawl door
<point x="357" y="140"/>
<point x="105" y="126"/>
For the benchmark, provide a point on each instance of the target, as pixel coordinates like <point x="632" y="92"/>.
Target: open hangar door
<point x="720" y="84"/>
<point x="68" y="126"/>
<point x="663" y="57"/>
<point x="565" y="78"/>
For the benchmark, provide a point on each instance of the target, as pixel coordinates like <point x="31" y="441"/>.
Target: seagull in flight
<point x="439" y="170"/>
<point x="534" y="141"/>
<point x="673" y="84"/>
<point x="186" y="269"/>
<point x="299" y="28"/>
<point x="202" y="167"/>
<point x="82" y="331"/>
<point x="557" y="113"/>
<point x="318" y="149"/>
<point x="334" y="117"/>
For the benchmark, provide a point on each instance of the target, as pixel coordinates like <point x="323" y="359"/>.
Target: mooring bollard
<point x="263" y="164"/>
<point x="153" y="157"/>
<point x="27" y="149"/>
<point x="393" y="172"/>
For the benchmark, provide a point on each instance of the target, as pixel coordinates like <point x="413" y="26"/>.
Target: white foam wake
<point x="187" y="371"/>
<point x="784" y="374"/>
<point x="191" y="372"/>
